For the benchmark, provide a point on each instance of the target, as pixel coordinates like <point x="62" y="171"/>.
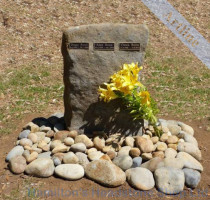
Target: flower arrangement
<point x="125" y="85"/>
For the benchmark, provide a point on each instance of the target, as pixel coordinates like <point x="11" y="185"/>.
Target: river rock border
<point x="168" y="163"/>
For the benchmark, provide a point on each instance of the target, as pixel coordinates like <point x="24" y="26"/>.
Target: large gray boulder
<point x="87" y="69"/>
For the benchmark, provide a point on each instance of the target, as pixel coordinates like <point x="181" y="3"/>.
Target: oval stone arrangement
<point x="168" y="163"/>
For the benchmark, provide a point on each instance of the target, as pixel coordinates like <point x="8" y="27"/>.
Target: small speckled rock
<point x="91" y="150"/>
<point x="50" y="134"/>
<point x="124" y="151"/>
<point x="17" y="164"/>
<point x="105" y="157"/>
<point x="105" y="173"/>
<point x="134" y="152"/>
<point x="60" y="148"/>
<point x="124" y="162"/>
<point x="16" y="151"/>
<point x="192" y="177"/>
<point x="169" y="180"/>
<point x="170" y="153"/>
<point x="73" y="133"/>
<point x="155" y="139"/>
<point x="190" y="149"/>
<point x="61" y="135"/>
<point x="33" y="137"/>
<point x="172" y="139"/>
<point x="41" y="167"/>
<point x="70" y="171"/>
<point x="145" y="145"/>
<point x="40" y="136"/>
<point x="24" y="134"/>
<point x="188" y="129"/>
<point x="189" y="161"/>
<point x="159" y="154"/>
<point x="68" y="141"/>
<point x="83" y="160"/>
<point x="129" y="141"/>
<point x="173" y="146"/>
<point x="25" y="142"/>
<point x="95" y="155"/>
<point x="188" y="138"/>
<point x="32" y="156"/>
<point x="99" y="143"/>
<point x="84" y="139"/>
<point x="32" y="127"/>
<point x="161" y="146"/>
<point x="56" y="161"/>
<point x="173" y="162"/>
<point x="140" y="178"/>
<point x="136" y="162"/>
<point x="47" y="140"/>
<point x="70" y="158"/>
<point x="54" y="143"/>
<point x="79" y="147"/>
<point x="108" y="148"/>
<point x="163" y="137"/>
<point x="111" y="154"/>
<point x="174" y="129"/>
<point x="153" y="164"/>
<point x="146" y="156"/>
<point x="45" y="155"/>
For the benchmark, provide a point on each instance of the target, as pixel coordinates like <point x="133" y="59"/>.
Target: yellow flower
<point x="127" y="78"/>
<point x="145" y="97"/>
<point x="107" y="94"/>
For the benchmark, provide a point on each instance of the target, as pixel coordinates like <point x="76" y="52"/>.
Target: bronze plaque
<point x="103" y="46"/>
<point x="78" y="45"/>
<point x="129" y="46"/>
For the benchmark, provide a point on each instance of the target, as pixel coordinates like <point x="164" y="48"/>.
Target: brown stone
<point x="61" y="135"/>
<point x="86" y="70"/>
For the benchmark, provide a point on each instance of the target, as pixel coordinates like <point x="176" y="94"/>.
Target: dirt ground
<point x="25" y="187"/>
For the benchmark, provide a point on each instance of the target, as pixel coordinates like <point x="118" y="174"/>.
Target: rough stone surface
<point x="105" y="173"/>
<point x="70" y="158"/>
<point x="136" y="162"/>
<point x="70" y="171"/>
<point x="83" y="160"/>
<point x="189" y="161"/>
<point x="85" y="70"/>
<point x="124" y="151"/>
<point x="153" y="164"/>
<point x="99" y="143"/>
<point x="192" y="177"/>
<point x="134" y="152"/>
<point x="84" y="139"/>
<point x="124" y="162"/>
<point x="79" y="147"/>
<point x="170" y="153"/>
<point x="140" y="178"/>
<point x="145" y="145"/>
<point x="17" y="164"/>
<point x="188" y="129"/>
<point x="16" y="151"/>
<point x="95" y="155"/>
<point x="45" y="155"/>
<point x="169" y="180"/>
<point x="190" y="148"/>
<point x="41" y="167"/>
<point x="24" y="134"/>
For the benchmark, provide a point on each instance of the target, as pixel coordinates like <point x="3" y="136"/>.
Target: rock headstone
<point x="92" y="53"/>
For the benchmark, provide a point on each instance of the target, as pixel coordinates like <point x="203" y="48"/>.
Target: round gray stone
<point x="16" y="151"/>
<point x="140" y="178"/>
<point x="192" y="177"/>
<point x="169" y="180"/>
<point x="24" y="134"/>
<point x="124" y="162"/>
<point x="136" y="162"/>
